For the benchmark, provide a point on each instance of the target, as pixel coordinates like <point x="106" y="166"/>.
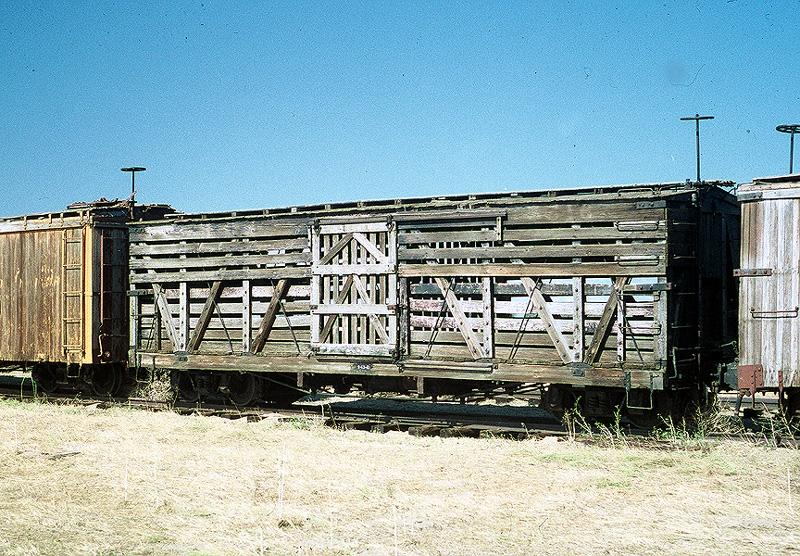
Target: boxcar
<point x="613" y="293"/>
<point x="769" y="305"/>
<point x="63" y="293"/>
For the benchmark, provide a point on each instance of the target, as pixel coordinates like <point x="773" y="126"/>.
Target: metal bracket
<point x="775" y="314"/>
<point x="627" y="381"/>
<point x="751" y="378"/>
<point x="579" y="368"/>
<point x="751" y="272"/>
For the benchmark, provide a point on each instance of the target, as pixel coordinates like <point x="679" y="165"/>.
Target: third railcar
<point x="609" y="295"/>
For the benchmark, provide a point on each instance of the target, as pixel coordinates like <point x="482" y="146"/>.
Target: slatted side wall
<point x="510" y="282"/>
<point x="235" y="287"/>
<point x="559" y="273"/>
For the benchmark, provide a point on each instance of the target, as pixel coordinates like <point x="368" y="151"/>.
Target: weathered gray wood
<point x="376" y="324"/>
<point x="656" y="230"/>
<point x="488" y="317"/>
<point x="226" y="261"/>
<point x="183" y="315"/>
<point x="604" y="326"/>
<point x="473" y="343"/>
<point x="517" y="289"/>
<point x="370" y="247"/>
<point x="578" y="316"/>
<point x="269" y="317"/>
<point x="645" y="268"/>
<point x="410" y="237"/>
<point x="216" y="231"/>
<point x="214" y="275"/>
<point x="247" y="315"/>
<point x="347" y="269"/>
<point x="353" y="309"/>
<point x="540" y="305"/>
<point x="377" y="350"/>
<point x="166" y="316"/>
<point x="211" y="247"/>
<point x="205" y="317"/>
<point x="340" y="298"/>
<point x="363" y="227"/>
<point x="533" y="251"/>
<point x="404" y="324"/>
<point x="335" y="249"/>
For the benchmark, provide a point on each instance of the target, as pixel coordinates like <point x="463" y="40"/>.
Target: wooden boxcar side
<point x="769" y="308"/>
<point x="63" y="282"/>
<point x="590" y="287"/>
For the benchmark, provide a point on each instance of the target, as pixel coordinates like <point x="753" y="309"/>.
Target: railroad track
<point x="416" y="417"/>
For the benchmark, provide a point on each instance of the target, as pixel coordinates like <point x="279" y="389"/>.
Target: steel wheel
<point x="242" y="388"/>
<point x="185" y="386"/>
<point x="46" y="378"/>
<point x="106" y="380"/>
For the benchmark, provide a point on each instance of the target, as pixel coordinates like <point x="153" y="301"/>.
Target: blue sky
<point x="259" y="104"/>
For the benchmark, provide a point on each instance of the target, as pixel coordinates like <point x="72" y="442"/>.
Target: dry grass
<point x="78" y="480"/>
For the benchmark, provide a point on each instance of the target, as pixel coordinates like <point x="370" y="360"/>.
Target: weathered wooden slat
<point x="214" y="275"/>
<point x="371" y="248"/>
<point x="216" y="230"/>
<point x="506" y="338"/>
<point x="488" y="318"/>
<point x="353" y="309"/>
<point x="205" y="317"/>
<point x="411" y="237"/>
<point x="587" y="269"/>
<point x="584" y="213"/>
<point x="166" y="316"/>
<point x="540" y="305"/>
<point x="473" y="343"/>
<point x="547" y="289"/>
<point x="335" y="249"/>
<point x="652" y="230"/>
<point x="228" y="261"/>
<point x="376" y="324"/>
<point x="377" y="350"/>
<point x="533" y="251"/>
<point x="269" y="317"/>
<point x="363" y="227"/>
<point x="579" y="317"/>
<point x="340" y="298"/>
<point x="213" y="247"/>
<point x="604" y="326"/>
<point x="347" y="269"/>
<point x="557" y="309"/>
<point x="643" y="328"/>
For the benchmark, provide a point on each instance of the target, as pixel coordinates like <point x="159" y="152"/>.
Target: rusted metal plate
<point x="751" y="378"/>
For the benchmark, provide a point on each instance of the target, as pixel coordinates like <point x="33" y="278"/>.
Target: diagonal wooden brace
<point x="540" y="305"/>
<point x="265" y="327"/>
<point x="205" y="317"/>
<point x="595" y="348"/>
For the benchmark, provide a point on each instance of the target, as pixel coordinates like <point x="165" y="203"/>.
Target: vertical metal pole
<point x="697" y="118"/>
<point x="697" y="137"/>
<point x="791" y="129"/>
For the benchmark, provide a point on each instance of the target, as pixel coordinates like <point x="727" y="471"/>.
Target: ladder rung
<point x="73" y="294"/>
<point x="71" y="321"/>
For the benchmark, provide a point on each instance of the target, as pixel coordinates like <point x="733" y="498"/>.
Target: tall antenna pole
<point x="697" y="118"/>
<point x="133" y="170"/>
<point x="791" y="129"/>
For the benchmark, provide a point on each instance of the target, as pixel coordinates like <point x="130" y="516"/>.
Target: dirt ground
<point x="89" y="481"/>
